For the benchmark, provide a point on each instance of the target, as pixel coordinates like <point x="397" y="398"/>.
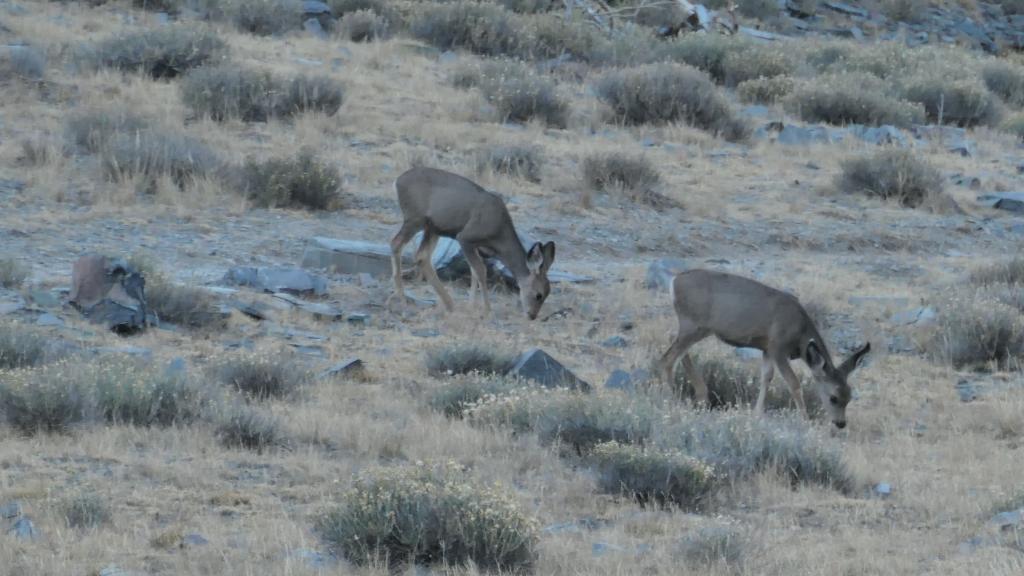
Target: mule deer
<point x="444" y="204"/>
<point x="744" y="312"/>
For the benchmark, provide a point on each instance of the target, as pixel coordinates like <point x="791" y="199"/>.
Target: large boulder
<point x="109" y="291"/>
<point x="538" y="366"/>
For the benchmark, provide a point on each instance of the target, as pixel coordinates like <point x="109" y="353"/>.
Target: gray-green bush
<point x="1006" y="272"/>
<point x="463" y="392"/>
<point x="302" y="181"/>
<point x="266" y="17"/>
<point x="610" y="171"/>
<point x="525" y="96"/>
<point x="264" y="376"/>
<point x="851" y="99"/>
<point x="249" y="427"/>
<point x="92" y="130"/>
<point x="164" y="52"/>
<point x="665" y="93"/>
<point x="86" y="510"/>
<point x="740" y="66"/>
<point x="363" y="26"/>
<point x="228" y="91"/>
<point x="524" y="162"/>
<point x="707" y="52"/>
<point x="733" y="384"/>
<point x="1006" y="80"/>
<point x="12" y="273"/>
<point x="891" y="174"/>
<point x="431" y="515"/>
<point x="977" y="330"/>
<point x="664" y="477"/>
<point x="152" y="153"/>
<point x="964" y="102"/>
<point x="480" y="27"/>
<point x="21" y="346"/>
<point x="765" y="90"/>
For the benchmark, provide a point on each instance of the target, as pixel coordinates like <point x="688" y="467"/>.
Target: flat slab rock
<point x="1009" y="201"/>
<point x="538" y="366"/>
<point x="277" y="279"/>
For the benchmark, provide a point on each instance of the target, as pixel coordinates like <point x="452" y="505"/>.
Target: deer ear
<point x="813" y="356"/>
<point x="850" y="364"/>
<point x="549" y="254"/>
<point x="535" y="257"/>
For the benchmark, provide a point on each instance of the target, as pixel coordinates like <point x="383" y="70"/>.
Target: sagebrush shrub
<point x="45" y="399"/>
<point x="164" y="52"/>
<point x="125" y="392"/>
<point x="544" y="37"/>
<point x="609" y="171"/>
<point x="1006" y="80"/>
<point x="909" y="11"/>
<point x="525" y="96"/>
<point x="754" y="64"/>
<point x="86" y="510"/>
<point x="707" y="52"/>
<point x="664" y="93"/>
<point x="851" y="99"/>
<point x="24" y="62"/>
<point x="964" y="102"/>
<point x="1006" y="272"/>
<point x="977" y="330"/>
<point x="12" y="273"/>
<point x="713" y="545"/>
<point x="305" y="93"/>
<point x="891" y="174"/>
<point x="93" y="129"/>
<point x="185" y="306"/>
<point x="264" y="376"/>
<point x="363" y="26"/>
<point x="21" y="346"/>
<point x="431" y="515"/>
<point x="169" y="6"/>
<point x="528" y="6"/>
<point x="265" y="17"/>
<point x="302" y="181"/>
<point x="482" y="28"/>
<point x="228" y="91"/>
<point x="665" y="477"/>
<point x="523" y="162"/>
<point x="765" y="90"/>
<point x="249" y="427"/>
<point x="1015" y="126"/>
<point x="733" y="384"/>
<point x="382" y="8"/>
<point x="152" y="153"/>
<point x="454" y="398"/>
<point x="466" y="359"/>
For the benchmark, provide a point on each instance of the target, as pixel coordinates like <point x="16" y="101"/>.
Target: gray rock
<point x="758" y="34"/>
<point x="10" y="307"/>
<point x="49" y="320"/>
<point x="44" y="298"/>
<point x="11" y="186"/>
<point x="540" y="367"/>
<point x="314" y="28"/>
<point x="615" y="342"/>
<point x="916" y="316"/>
<point x="314" y="8"/>
<point x="277" y="279"/>
<point x="853" y="32"/>
<point x="1012" y="520"/>
<point x="661" y="271"/>
<point x="347" y="367"/>
<point x="425" y="332"/>
<point x="361" y="318"/>
<point x="797" y="10"/>
<point x="602" y="548"/>
<point x="10" y="510"/>
<point x="967" y="391"/>
<point x="367" y="280"/>
<point x="1009" y="201"/>
<point x="748" y="353"/>
<point x="139" y="352"/>
<point x="885" y="134"/>
<point x="347" y="256"/>
<point x="882" y="489"/>
<point x="626" y="381"/>
<point x="115" y="571"/>
<point x="844" y="8"/>
<point x="23" y="529"/>
<point x="447" y="56"/>
<point x="110" y="292"/>
<point x="162" y="18"/>
<point x="194" y="539"/>
<point x="894" y="301"/>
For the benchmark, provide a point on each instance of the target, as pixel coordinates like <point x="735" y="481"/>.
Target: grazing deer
<point x="744" y="312"/>
<point x="444" y="204"/>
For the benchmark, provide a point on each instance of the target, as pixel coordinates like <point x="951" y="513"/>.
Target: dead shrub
<point x="891" y="174"/>
<point x="263" y="376"/>
<point x="617" y="171"/>
<point x="249" y="427"/>
<point x="444" y="362"/>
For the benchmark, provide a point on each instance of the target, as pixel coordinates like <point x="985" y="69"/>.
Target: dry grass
<point x="892" y="175"/>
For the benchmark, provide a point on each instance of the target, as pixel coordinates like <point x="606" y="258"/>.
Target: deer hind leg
<point x="794" y="383"/>
<point x="402" y="238"/>
<point x="479" y="270"/>
<point x="767" y="372"/>
<point x="689" y="334"/>
<point x="423" y="258"/>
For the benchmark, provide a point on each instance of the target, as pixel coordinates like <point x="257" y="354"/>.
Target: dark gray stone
<point x="11" y="186"/>
<point x="880" y="135"/>
<point x="916" y="316"/>
<point x="661" y="272"/>
<point x="110" y="292"/>
<point x="347" y="256"/>
<point x="177" y="367"/>
<point x="967" y="391"/>
<point x="23" y="529"/>
<point x="425" y="332"/>
<point x="844" y="8"/>
<point x="360" y="318"/>
<point x="853" y="32"/>
<point x="615" y="342"/>
<point x="314" y="8"/>
<point x="193" y="539"/>
<point x="758" y="34"/>
<point x="803" y="135"/>
<point x="49" y="320"/>
<point x="10" y="510"/>
<point x="347" y="367"/>
<point x="797" y="10"/>
<point x="314" y="28"/>
<point x="882" y="490"/>
<point x="277" y="279"/>
<point x="748" y="353"/>
<point x="1010" y="201"/>
<point x="627" y="381"/>
<point x="44" y="298"/>
<point x="540" y="367"/>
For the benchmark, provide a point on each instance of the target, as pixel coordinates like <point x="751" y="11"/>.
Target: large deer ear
<point x="850" y="364"/>
<point x="549" y="254"/>
<point x="535" y="257"/>
<point x="813" y="356"/>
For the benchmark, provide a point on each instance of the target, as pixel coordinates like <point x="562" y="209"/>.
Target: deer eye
<point x="834" y="400"/>
<point x="539" y="297"/>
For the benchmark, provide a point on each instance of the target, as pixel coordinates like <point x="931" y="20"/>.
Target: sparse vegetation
<point x="522" y="162"/>
<point x="851" y="99"/>
<point x="1006" y="272"/>
<point x="454" y="398"/>
<point x="756" y="64"/>
<point x="711" y="546"/>
<point x="265" y="17"/>
<point x="734" y="384"/>
<point x="663" y="93"/>
<point x="264" y="376"/>
<point x="1015" y="125"/>
<point x="185" y="306"/>
<point x="1006" y="80"/>
<point x="164" y="52"/>
<point x="93" y="129"/>
<point x="24" y="62"/>
<point x="431" y="515"/>
<point x="251" y="428"/>
<point x="127" y="393"/>
<point x="482" y="28"/>
<point x="303" y="181"/>
<point x="363" y="26"/>
<point x="230" y="91"/>
<point x="707" y="52"/>
<point x="20" y="346"/>
<point x="525" y="96"/>
<point x="457" y="360"/>
<point x="12" y="273"/>
<point x="86" y="510"/>
<point x="765" y="90"/>
<point x="650" y="475"/>
<point x="153" y="153"/>
<point x="976" y="330"/>
<point x="891" y="174"/>
<point x="909" y="11"/>
<point x="619" y="171"/>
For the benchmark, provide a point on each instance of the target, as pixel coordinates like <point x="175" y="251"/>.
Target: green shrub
<point x="303" y="181"/>
<point x="765" y="90"/>
<point x="456" y="397"/>
<point x="24" y="62"/>
<point x="262" y="376"/>
<point x="12" y="273"/>
<point x="21" y="346"/>
<point x="578" y="420"/>
<point x="228" y="91"/>
<point x="616" y="171"/>
<point x="663" y="93"/>
<point x="50" y="398"/>
<point x="433" y="516"/>
<point x="443" y="362"/>
<point x="363" y="26"/>
<point x="523" y="97"/>
<point x="650" y="475"/>
<point x="92" y="130"/>
<point x="164" y="52"/>
<point x="756" y="64"/>
<point x="125" y="392"/>
<point x="976" y="330"/>
<point x="707" y="52"/>
<point x="851" y="99"/>
<point x="891" y="174"/>
<point x="1005" y="272"/>
<point x="153" y="153"/>
<point x="266" y="17"/>
<point x="1015" y="126"/>
<point x="482" y="28"/>
<point x="964" y="102"/>
<point x="1006" y="80"/>
<point x="250" y="428"/>
<point x="86" y="510"/>
<point x="522" y="162"/>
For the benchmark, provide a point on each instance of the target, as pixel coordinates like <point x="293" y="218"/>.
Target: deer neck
<point x="511" y="252"/>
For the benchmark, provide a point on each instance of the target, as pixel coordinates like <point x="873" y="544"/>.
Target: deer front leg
<point x="767" y="372"/>
<point x="479" y="271"/>
<point x="794" y="384"/>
